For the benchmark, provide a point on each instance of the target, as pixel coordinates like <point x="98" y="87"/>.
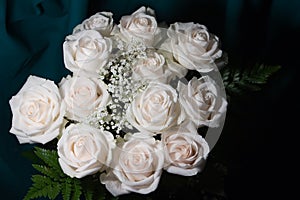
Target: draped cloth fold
<point x="31" y="37"/>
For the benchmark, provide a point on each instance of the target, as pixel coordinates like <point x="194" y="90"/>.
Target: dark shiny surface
<point x="257" y="142"/>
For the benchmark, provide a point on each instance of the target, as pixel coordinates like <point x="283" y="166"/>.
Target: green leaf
<point x="66" y="189"/>
<point x="93" y="189"/>
<point x="50" y="157"/>
<point x="89" y="191"/>
<point x="76" y="189"/>
<point x="238" y="80"/>
<point x="88" y="195"/>
<point x="52" y="181"/>
<point x="48" y="171"/>
<point x="260" y="73"/>
<point x="42" y="187"/>
<point x="54" y="191"/>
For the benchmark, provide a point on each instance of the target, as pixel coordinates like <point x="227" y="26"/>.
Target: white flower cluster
<point x="121" y="86"/>
<point x="127" y="87"/>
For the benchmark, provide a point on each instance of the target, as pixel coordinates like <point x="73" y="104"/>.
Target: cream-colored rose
<point x="37" y="111"/>
<point x="177" y="69"/>
<point x="102" y="22"/>
<point x="84" y="150"/>
<point x="83" y="96"/>
<point x="137" y="166"/>
<point x="185" y="150"/>
<point x="202" y="101"/>
<point x="152" y="68"/>
<point x="86" y="52"/>
<point x="140" y="25"/>
<point x="193" y="46"/>
<point x="155" y="109"/>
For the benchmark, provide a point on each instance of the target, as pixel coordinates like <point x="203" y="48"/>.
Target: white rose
<point x="137" y="166"/>
<point x="86" y="52"/>
<point x="101" y="22"/>
<point x="155" y="109"/>
<point x="141" y="25"/>
<point x="185" y="150"/>
<point x="193" y="46"/>
<point x="83" y="96"/>
<point x="84" y="150"/>
<point x="37" y="110"/>
<point x="172" y="65"/>
<point x="202" y="101"/>
<point x="152" y="68"/>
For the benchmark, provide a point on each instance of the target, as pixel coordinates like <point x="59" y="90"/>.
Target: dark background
<point x="259" y="137"/>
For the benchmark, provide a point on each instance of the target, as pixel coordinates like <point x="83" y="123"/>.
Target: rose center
<point x="35" y="111"/>
<point x="199" y="36"/>
<point x="181" y="151"/>
<point x="137" y="159"/>
<point x="143" y="21"/>
<point x="84" y="91"/>
<point x="151" y="62"/>
<point x="98" y="21"/>
<point x="83" y="95"/>
<point x="208" y="98"/>
<point x="156" y="99"/>
<point x="87" y="43"/>
<point x="80" y="150"/>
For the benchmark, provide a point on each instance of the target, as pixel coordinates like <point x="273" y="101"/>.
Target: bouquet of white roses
<point x="132" y="108"/>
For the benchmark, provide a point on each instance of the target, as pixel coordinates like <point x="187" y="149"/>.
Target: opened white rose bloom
<point x="193" y="46"/>
<point x="83" y="96"/>
<point x="152" y="68"/>
<point x="137" y="166"/>
<point x="202" y="101"/>
<point x="101" y="22"/>
<point x="84" y="150"/>
<point x="86" y="51"/>
<point x="155" y="109"/>
<point x="185" y="150"/>
<point x="37" y="111"/>
<point x="172" y="65"/>
<point x="140" y="25"/>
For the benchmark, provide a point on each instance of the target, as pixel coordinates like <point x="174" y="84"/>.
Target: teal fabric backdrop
<point x="31" y="37"/>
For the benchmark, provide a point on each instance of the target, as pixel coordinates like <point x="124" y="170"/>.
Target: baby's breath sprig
<point x="100" y="119"/>
<point x="117" y="74"/>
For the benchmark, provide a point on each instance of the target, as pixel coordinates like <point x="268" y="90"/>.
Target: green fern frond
<point x="66" y="189"/>
<point x="89" y="195"/>
<point x="50" y="157"/>
<point x="89" y="190"/>
<point x="48" y="171"/>
<point x="259" y="74"/>
<point x="238" y="80"/>
<point x="42" y="186"/>
<point x="52" y="181"/>
<point x="93" y="189"/>
<point x="77" y="189"/>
